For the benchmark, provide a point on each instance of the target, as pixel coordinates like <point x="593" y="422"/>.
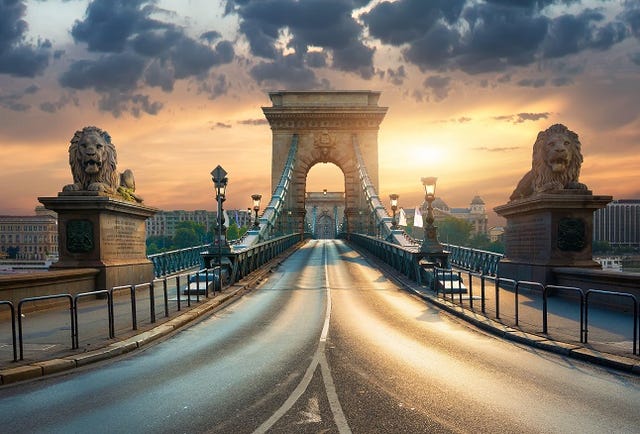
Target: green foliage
<point x="452" y="230"/>
<point x="185" y="238"/>
<point x="158" y="244"/>
<point x="233" y="232"/>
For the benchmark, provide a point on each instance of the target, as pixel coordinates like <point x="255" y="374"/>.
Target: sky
<point x="179" y="86"/>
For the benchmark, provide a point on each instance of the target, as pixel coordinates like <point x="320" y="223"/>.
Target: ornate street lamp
<point x="219" y="177"/>
<point x="430" y="243"/>
<point x="394" y="206"/>
<point x="256" y="207"/>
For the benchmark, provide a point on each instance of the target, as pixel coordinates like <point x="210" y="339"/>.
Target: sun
<point x="431" y="154"/>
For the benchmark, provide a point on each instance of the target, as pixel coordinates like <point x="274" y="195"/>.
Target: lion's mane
<point x="107" y="175"/>
<point x="541" y="177"/>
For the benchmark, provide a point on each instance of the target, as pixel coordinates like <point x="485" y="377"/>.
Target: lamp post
<point x="394" y="206"/>
<point x="219" y="177"/>
<point x="256" y="207"/>
<point x="430" y="243"/>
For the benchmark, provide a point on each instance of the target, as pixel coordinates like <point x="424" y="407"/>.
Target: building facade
<point x="325" y="213"/>
<point x="618" y="223"/>
<point x="164" y="223"/>
<point x="32" y="237"/>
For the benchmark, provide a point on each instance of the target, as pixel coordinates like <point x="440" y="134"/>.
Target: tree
<point x="233" y="232"/>
<point x="185" y="238"/>
<point x="452" y="230"/>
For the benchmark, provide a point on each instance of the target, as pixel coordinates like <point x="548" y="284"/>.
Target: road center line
<point x="318" y="358"/>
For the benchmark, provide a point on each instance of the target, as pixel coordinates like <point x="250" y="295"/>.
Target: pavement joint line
<point x="228" y="295"/>
<point x="621" y="363"/>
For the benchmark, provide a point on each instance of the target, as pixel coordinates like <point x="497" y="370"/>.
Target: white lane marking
<point x="319" y="358"/>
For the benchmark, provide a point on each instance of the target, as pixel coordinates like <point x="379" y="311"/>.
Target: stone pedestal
<point x="548" y="230"/>
<point x="98" y="231"/>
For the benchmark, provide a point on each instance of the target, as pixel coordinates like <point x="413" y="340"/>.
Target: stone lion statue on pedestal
<point x="557" y="159"/>
<point x="93" y="159"/>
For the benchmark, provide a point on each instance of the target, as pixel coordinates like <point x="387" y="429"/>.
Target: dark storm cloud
<point x="569" y="34"/>
<point x="286" y="69"/>
<point x="490" y="36"/>
<point x="139" y="49"/>
<point x="119" y="71"/>
<point x="632" y="16"/>
<point x="316" y="59"/>
<point x="211" y="36"/>
<point x="18" y="57"/>
<point x="406" y="21"/>
<point x="320" y="23"/>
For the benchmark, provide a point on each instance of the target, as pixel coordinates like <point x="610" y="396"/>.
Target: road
<point x="328" y="344"/>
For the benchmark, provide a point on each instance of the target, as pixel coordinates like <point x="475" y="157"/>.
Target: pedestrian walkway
<point x="610" y="330"/>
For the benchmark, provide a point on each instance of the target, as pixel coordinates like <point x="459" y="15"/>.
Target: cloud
<point x="138" y="49"/>
<point x="532" y="82"/>
<point x="396" y="76"/>
<point x="63" y="101"/>
<point x="18" y="57"/>
<point x="215" y="87"/>
<point x="288" y="70"/>
<point x="439" y="86"/>
<point x="118" y="103"/>
<point x="570" y="34"/>
<point x="496" y="149"/>
<point x="221" y="125"/>
<point x="278" y="29"/>
<point x="490" y="36"/>
<point x="522" y="117"/>
<point x="254" y="122"/>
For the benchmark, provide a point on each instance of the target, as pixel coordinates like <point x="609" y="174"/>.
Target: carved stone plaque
<point x="79" y="236"/>
<point x="571" y="234"/>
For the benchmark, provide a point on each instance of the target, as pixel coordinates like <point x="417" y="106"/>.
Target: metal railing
<point x="174" y="261"/>
<point x="131" y="303"/>
<point x="539" y="292"/>
<point x="468" y="258"/>
<point x="482" y="266"/>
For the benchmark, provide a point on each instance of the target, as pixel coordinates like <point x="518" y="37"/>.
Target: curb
<point x="230" y="294"/>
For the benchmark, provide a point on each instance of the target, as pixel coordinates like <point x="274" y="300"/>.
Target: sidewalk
<point x="610" y="338"/>
<point x="47" y="334"/>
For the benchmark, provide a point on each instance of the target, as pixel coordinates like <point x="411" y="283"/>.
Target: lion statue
<point x="93" y="159"/>
<point x="557" y="159"/>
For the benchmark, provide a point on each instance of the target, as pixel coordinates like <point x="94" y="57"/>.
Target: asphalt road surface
<point x="328" y="344"/>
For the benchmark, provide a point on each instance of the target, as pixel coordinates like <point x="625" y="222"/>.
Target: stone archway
<point x="326" y="123"/>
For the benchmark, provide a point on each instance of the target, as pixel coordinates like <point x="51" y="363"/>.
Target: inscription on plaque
<point x="79" y="236"/>
<point x="123" y="238"/>
<point x="571" y="234"/>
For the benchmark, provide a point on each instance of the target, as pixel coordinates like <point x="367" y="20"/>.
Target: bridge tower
<point x="326" y="123"/>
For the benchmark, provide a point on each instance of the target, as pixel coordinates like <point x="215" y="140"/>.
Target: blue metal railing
<point x="467" y="258"/>
<point x="175" y="261"/>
